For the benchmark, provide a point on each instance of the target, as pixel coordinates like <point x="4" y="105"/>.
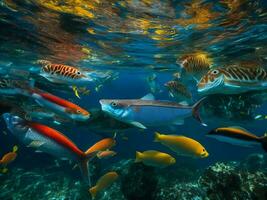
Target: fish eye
<point x="203" y="150"/>
<point x="113" y="103"/>
<point x="214" y="72"/>
<point x="78" y="111"/>
<point x="78" y="73"/>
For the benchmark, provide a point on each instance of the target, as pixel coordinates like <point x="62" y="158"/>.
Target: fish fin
<point x="93" y="192"/>
<point x="195" y="110"/>
<point x="178" y="122"/>
<point x="157" y="136"/>
<point x="138" y="156"/>
<point x="264" y="142"/>
<point x="15" y="148"/>
<point x="84" y="167"/>
<point x="74" y="167"/>
<point x="148" y="97"/>
<point x="239" y="127"/>
<point x="184" y="103"/>
<point x="35" y="144"/>
<point x="139" y="125"/>
<point x="76" y="92"/>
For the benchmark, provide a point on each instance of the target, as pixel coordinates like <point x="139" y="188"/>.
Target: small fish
<point x="152" y="83"/>
<point x="154" y="158"/>
<point x="106" y="154"/>
<point x="59" y="105"/>
<point x="238" y="136"/>
<point x="178" y="90"/>
<point x="103" y="182"/>
<point x="182" y="145"/>
<point x="102" y="145"/>
<point x="148" y="112"/>
<point x="195" y="64"/>
<point x="64" y="74"/>
<point x="49" y="140"/>
<point x="9" y="157"/>
<point x="13" y="87"/>
<point x="233" y="80"/>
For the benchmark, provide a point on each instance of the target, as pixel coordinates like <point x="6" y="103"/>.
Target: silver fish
<point x="148" y="112"/>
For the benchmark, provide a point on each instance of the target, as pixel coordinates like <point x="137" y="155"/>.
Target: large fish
<point x="148" y="112"/>
<point x="238" y="136"/>
<point x="48" y="140"/>
<point x="233" y="80"/>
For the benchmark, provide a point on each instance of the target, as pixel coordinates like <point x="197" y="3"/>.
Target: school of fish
<point x="141" y="113"/>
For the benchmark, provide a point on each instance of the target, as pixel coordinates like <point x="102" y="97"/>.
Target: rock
<point x="139" y="183"/>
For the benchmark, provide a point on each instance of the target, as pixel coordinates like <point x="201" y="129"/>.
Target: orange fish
<point x="106" y="154"/>
<point x="59" y="105"/>
<point x="102" y="145"/>
<point x="103" y="183"/>
<point x="59" y="73"/>
<point x="9" y="157"/>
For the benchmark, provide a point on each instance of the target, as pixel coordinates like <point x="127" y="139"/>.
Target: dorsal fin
<point x="148" y="97"/>
<point x="184" y="103"/>
<point x="241" y="128"/>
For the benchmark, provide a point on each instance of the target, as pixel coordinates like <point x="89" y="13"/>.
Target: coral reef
<point x="221" y="181"/>
<point x="229" y="181"/>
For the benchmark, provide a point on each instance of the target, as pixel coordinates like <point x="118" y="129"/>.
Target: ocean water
<point x="138" y="45"/>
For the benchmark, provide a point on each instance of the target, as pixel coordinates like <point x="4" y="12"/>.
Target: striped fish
<point x="233" y="80"/>
<point x="59" y="73"/>
<point x="13" y="87"/>
<point x="195" y="64"/>
<point x="178" y="90"/>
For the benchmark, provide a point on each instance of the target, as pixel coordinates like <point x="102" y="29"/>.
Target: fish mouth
<point x="204" y="155"/>
<point x="209" y="87"/>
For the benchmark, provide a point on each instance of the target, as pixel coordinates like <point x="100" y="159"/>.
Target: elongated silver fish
<point x="233" y="80"/>
<point x="148" y="112"/>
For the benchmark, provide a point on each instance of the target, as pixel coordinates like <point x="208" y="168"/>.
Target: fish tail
<point x="138" y="157"/>
<point x="157" y="135"/>
<point x="84" y="167"/>
<point x="93" y="191"/>
<point x="264" y="143"/>
<point x="195" y="110"/>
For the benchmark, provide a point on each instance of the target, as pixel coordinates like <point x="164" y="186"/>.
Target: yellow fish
<point x="103" y="182"/>
<point x="155" y="158"/>
<point x="182" y="145"/>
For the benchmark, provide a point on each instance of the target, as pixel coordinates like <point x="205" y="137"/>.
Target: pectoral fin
<point x="35" y="144"/>
<point x="139" y="125"/>
<point x="178" y="122"/>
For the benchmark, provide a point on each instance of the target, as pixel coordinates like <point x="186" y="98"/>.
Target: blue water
<point x="128" y="38"/>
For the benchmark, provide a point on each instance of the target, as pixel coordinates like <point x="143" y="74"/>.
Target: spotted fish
<point x="233" y="80"/>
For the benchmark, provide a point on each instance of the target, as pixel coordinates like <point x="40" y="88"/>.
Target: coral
<point x="229" y="181"/>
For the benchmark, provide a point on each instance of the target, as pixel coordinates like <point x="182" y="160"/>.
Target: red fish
<point x="48" y="140"/>
<point x="59" y="105"/>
